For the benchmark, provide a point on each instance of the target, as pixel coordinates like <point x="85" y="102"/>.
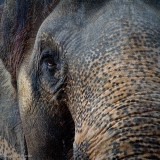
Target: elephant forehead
<point x="68" y="26"/>
<point x="104" y="38"/>
<point x="115" y="50"/>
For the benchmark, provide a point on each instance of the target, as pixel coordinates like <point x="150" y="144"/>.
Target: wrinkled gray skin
<point x="98" y="61"/>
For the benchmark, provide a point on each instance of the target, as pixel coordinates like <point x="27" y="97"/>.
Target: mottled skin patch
<point x="8" y="152"/>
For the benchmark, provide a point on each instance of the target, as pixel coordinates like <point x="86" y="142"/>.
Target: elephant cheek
<point x="24" y="92"/>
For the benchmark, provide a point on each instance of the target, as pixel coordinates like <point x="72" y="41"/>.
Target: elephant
<point x="80" y="79"/>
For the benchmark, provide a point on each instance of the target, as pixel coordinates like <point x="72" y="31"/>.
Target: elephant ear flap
<point x="15" y="30"/>
<point x="1" y="11"/>
<point x="1" y="7"/>
<point x="20" y="21"/>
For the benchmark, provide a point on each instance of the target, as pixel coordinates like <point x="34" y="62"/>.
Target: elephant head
<point x="87" y="83"/>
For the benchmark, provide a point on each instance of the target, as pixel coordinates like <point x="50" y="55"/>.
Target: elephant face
<point x="92" y="80"/>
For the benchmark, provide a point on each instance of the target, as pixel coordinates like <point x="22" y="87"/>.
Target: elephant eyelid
<point x="49" y="54"/>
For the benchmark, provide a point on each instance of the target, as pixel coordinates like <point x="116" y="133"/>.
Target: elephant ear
<point x="20" y="22"/>
<point x="1" y="11"/>
<point x="12" y="140"/>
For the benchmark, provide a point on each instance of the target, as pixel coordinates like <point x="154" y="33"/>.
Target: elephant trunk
<point x="117" y="112"/>
<point x="130" y="129"/>
<point x="124" y="124"/>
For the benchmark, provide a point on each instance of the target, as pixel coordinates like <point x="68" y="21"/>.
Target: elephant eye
<point x="50" y="63"/>
<point x="49" y="60"/>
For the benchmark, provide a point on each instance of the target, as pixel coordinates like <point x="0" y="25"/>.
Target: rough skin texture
<point x="86" y="84"/>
